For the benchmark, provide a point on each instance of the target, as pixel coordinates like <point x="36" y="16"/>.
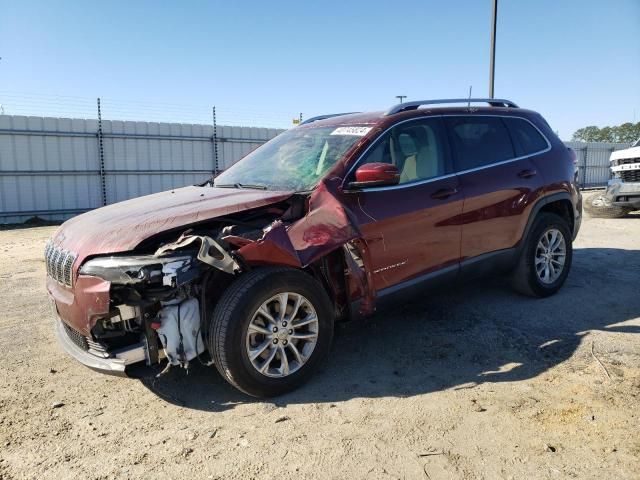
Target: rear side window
<point x="478" y="141"/>
<point x="528" y="140"/>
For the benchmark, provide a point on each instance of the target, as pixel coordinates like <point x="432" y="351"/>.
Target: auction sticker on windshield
<point x="354" y="131"/>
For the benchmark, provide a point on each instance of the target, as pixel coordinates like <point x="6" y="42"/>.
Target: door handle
<point x="527" y="173"/>
<point x="444" y="193"/>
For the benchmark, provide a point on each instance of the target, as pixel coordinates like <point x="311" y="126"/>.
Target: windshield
<point x="295" y="160"/>
<point x="637" y="144"/>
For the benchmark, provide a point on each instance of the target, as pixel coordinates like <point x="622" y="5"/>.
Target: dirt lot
<point x="474" y="383"/>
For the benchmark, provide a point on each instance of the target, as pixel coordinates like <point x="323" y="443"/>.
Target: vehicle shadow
<point x="477" y="333"/>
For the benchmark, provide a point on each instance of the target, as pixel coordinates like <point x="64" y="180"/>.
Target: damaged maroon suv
<point x="325" y="223"/>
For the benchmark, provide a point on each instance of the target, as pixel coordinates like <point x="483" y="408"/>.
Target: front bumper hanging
<point x="115" y="364"/>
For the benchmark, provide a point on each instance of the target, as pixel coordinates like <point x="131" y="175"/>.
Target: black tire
<point x="524" y="277"/>
<point x="598" y="205"/>
<point x="233" y="313"/>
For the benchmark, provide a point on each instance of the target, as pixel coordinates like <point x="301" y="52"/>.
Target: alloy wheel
<point x="282" y="335"/>
<point x="550" y="256"/>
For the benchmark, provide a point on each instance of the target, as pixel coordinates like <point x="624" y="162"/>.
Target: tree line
<point x="625" y="133"/>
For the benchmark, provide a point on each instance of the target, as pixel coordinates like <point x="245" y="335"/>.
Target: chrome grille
<point x="59" y="263"/>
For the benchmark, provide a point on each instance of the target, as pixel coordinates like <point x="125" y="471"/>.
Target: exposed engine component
<point x="210" y="252"/>
<point x="127" y="315"/>
<point x="178" y="327"/>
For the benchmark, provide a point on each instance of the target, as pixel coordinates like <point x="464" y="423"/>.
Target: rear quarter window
<point x="478" y="141"/>
<point x="527" y="138"/>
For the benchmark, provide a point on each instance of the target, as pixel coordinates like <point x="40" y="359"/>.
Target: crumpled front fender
<point x="326" y="227"/>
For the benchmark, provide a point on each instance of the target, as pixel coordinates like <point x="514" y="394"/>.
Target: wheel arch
<point x="558" y="203"/>
<point x="329" y="271"/>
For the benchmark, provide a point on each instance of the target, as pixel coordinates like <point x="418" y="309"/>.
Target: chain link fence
<point x="64" y="106"/>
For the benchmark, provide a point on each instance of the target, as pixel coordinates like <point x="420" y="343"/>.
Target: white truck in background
<point x="622" y="195"/>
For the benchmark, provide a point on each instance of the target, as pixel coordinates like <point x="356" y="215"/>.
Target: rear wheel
<point x="599" y="206"/>
<point x="546" y="257"/>
<point x="270" y="330"/>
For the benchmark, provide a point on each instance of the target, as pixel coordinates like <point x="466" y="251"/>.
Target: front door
<point x="412" y="229"/>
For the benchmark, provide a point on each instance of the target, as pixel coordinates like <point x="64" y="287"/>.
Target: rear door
<point x="411" y="228"/>
<point x="500" y="181"/>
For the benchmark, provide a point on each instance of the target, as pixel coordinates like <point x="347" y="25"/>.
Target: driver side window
<point x="414" y="147"/>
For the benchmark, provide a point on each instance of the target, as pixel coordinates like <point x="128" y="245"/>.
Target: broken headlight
<point x="170" y="271"/>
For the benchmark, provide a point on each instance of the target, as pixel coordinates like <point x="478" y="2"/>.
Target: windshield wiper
<point x="240" y="185"/>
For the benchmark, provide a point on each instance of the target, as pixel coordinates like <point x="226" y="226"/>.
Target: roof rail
<point x="322" y="117"/>
<point x="494" y="102"/>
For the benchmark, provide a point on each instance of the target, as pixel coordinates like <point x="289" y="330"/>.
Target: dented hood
<point x="122" y="226"/>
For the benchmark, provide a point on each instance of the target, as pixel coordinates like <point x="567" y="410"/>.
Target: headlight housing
<point x="170" y="271"/>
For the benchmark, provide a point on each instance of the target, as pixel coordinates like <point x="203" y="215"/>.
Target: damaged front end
<point x="128" y="309"/>
<point x="155" y="302"/>
<point x="155" y="297"/>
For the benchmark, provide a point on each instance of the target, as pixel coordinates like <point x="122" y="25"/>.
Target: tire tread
<point x="523" y="275"/>
<point x="224" y="318"/>
<point x="222" y="315"/>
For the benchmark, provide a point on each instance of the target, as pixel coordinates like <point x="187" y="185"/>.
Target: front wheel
<point x="270" y="330"/>
<point x="546" y="257"/>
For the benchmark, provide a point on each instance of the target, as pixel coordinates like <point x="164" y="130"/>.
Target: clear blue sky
<point x="575" y="61"/>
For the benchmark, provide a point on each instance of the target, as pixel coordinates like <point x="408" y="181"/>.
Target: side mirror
<point x="376" y="175"/>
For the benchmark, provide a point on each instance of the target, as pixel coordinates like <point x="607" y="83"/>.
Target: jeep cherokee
<point x="327" y="222"/>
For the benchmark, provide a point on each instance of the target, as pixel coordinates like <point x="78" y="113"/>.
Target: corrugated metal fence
<point x="55" y="168"/>
<point x="593" y="161"/>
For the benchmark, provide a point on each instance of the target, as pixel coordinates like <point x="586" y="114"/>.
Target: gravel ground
<point x="476" y="383"/>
